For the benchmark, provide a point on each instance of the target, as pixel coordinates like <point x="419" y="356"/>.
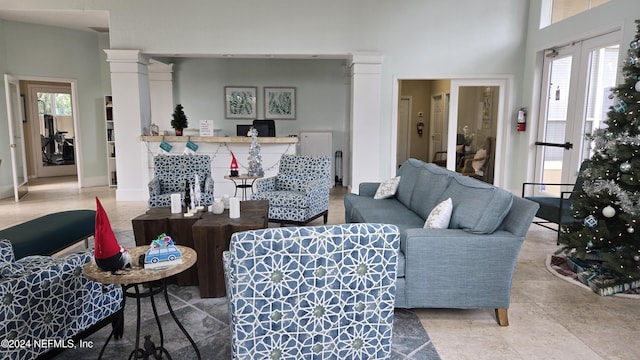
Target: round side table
<point x="242" y="184"/>
<point x="154" y="281"/>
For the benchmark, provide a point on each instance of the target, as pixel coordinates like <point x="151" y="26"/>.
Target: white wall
<point x="417" y="39"/>
<point x="428" y="39"/>
<point x="320" y="92"/>
<point x="29" y="50"/>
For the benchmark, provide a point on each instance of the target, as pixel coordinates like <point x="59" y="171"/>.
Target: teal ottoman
<point x="51" y="233"/>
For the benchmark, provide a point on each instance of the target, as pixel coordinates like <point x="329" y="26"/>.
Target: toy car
<point x="162" y="256"/>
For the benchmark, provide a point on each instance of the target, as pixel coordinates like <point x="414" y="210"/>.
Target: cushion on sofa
<point x="387" y="188"/>
<point x="440" y="216"/>
<point x="386" y="211"/>
<point x="408" y="173"/>
<point x="431" y="182"/>
<point x="477" y="206"/>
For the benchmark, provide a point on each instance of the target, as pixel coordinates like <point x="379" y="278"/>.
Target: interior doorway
<point x="53" y="119"/>
<point x="50" y="129"/>
<point x="441" y="110"/>
<point x="422" y="119"/>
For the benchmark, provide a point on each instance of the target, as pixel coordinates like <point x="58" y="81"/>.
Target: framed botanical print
<point x="240" y="102"/>
<point x="280" y="103"/>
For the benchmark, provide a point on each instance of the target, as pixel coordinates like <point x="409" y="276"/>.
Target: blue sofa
<point x="48" y="298"/>
<point x="468" y="265"/>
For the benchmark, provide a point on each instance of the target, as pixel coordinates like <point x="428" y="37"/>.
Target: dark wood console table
<point x="211" y="237"/>
<point x="209" y="234"/>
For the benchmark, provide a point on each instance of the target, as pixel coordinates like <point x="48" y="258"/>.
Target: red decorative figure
<point x="233" y="169"/>
<point x="109" y="255"/>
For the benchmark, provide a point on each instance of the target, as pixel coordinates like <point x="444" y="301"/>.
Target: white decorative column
<point x="161" y="93"/>
<point x="366" y="73"/>
<point x="131" y="118"/>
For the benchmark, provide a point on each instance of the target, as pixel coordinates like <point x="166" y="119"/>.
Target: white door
<point x="575" y="99"/>
<point x="16" y="136"/>
<point x="438" y="124"/>
<point x="477" y="111"/>
<point x="404" y="130"/>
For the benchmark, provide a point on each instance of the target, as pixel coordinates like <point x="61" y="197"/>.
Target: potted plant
<point x="179" y="120"/>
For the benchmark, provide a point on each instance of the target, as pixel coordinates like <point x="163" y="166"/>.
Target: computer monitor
<point x="242" y="130"/>
<point x="265" y="127"/>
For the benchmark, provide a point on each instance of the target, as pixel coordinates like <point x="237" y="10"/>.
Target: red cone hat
<point x="234" y="163"/>
<point x="105" y="242"/>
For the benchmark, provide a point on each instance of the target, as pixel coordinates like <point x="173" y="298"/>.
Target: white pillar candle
<point x="234" y="207"/>
<point x="176" y="204"/>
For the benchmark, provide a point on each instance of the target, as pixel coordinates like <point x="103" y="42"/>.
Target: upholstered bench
<point x="51" y="233"/>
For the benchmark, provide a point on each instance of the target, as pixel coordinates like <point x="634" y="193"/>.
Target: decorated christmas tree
<point x="607" y="209"/>
<point x="255" y="159"/>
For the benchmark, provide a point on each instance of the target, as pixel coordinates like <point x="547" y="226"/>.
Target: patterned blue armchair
<point x="323" y="292"/>
<point x="171" y="174"/>
<point x="47" y="298"/>
<point x="300" y="191"/>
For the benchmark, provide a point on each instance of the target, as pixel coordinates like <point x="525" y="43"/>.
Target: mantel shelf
<point x="221" y="139"/>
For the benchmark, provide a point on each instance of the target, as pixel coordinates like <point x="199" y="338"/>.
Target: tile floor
<point x="549" y="318"/>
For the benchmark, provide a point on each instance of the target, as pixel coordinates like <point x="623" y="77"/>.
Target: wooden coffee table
<point x="211" y="237"/>
<point x="209" y="234"/>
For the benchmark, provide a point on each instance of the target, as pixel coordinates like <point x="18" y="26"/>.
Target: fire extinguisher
<point x="522" y="119"/>
<point x="420" y="127"/>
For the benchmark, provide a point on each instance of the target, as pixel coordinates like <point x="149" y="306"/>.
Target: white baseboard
<point x="132" y="195"/>
<point x="6" y="191"/>
<point x="95" y="181"/>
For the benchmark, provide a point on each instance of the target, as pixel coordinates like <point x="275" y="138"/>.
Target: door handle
<point x="566" y="145"/>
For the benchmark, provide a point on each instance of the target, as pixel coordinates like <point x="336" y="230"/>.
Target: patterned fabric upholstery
<point x="300" y="191"/>
<point x="48" y="298"/>
<point x="324" y="292"/>
<point x="171" y="174"/>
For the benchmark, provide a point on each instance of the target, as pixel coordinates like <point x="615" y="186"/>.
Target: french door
<point x="576" y="86"/>
<point x="16" y="137"/>
<point x="476" y="123"/>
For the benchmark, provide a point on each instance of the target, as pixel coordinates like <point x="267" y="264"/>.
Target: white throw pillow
<point x="387" y="188"/>
<point x="440" y="215"/>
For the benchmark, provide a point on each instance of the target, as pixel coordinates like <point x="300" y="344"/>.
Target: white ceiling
<point x="88" y="20"/>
